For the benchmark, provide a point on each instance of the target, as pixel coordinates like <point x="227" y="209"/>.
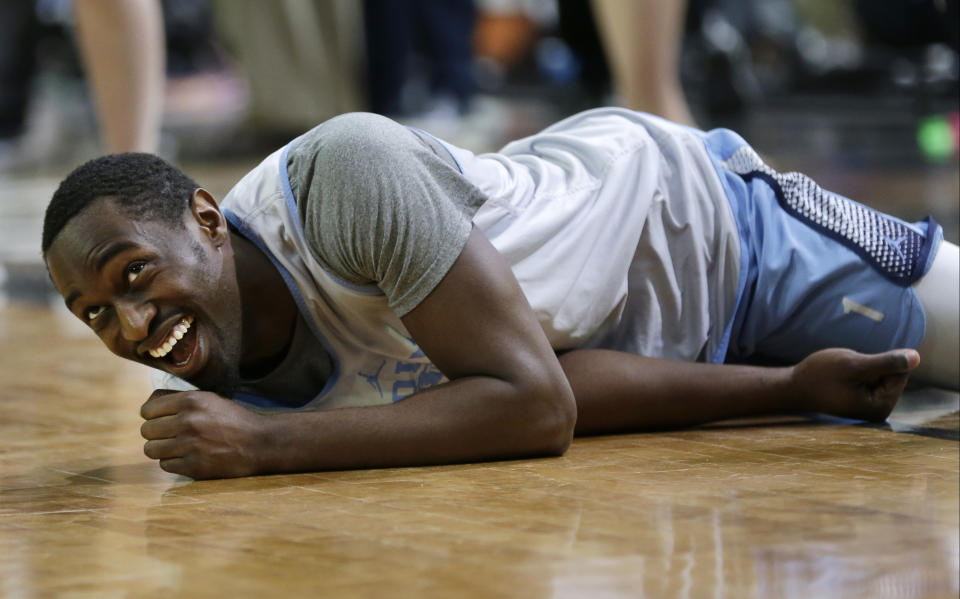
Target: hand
<point x="200" y="434"/>
<point x="846" y="383"/>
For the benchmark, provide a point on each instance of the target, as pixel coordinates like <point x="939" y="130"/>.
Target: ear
<point x="207" y="214"/>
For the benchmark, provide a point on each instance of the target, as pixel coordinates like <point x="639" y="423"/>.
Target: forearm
<point x="618" y="392"/>
<point x="465" y="420"/>
<point x="202" y="435"/>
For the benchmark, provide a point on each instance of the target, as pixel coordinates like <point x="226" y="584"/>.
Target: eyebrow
<point x="102" y="259"/>
<point x="72" y="298"/>
<point x="111" y="251"/>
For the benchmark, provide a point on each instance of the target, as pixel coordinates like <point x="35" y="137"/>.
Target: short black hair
<point x="143" y="186"/>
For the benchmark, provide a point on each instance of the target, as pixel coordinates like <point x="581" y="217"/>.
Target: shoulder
<point x="352" y="162"/>
<point x="353" y="137"/>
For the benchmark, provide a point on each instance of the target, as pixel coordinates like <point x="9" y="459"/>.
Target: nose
<point x="135" y="319"/>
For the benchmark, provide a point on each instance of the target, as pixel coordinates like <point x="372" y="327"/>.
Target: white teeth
<point x="176" y="334"/>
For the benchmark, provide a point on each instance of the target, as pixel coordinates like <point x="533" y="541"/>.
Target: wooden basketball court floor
<point x="788" y="507"/>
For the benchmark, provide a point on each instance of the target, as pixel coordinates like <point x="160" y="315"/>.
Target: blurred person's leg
<point x="642" y="39"/>
<point x="388" y="26"/>
<point x="940" y="349"/>
<point x="302" y="60"/>
<point x="123" y="49"/>
<point x="446" y="28"/>
<point x="18" y="36"/>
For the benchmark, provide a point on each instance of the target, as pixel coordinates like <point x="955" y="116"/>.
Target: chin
<point x="224" y="383"/>
<point x="218" y="363"/>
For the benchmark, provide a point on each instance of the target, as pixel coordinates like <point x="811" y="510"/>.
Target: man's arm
<point x="507" y="396"/>
<point x="619" y="392"/>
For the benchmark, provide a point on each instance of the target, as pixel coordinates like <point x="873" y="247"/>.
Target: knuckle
<point x="188" y="423"/>
<point x="188" y="467"/>
<point x="158" y="393"/>
<point x="175" y="466"/>
<point x="849" y="362"/>
<point x="188" y="444"/>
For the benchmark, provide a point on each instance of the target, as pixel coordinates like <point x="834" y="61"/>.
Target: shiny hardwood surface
<point x="789" y="507"/>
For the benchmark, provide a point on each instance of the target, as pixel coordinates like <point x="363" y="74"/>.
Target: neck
<point x="268" y="309"/>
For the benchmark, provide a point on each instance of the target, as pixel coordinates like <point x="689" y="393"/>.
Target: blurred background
<point x="862" y="95"/>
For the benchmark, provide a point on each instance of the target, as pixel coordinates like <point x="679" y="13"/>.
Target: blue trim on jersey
<point x="287" y="190"/>
<point x="728" y="181"/>
<point x="266" y="402"/>
<point x="720" y="355"/>
<point x="258" y="401"/>
<point x="291" y="203"/>
<point x="442" y="143"/>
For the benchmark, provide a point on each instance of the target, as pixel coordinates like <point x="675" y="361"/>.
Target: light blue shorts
<point x="817" y="270"/>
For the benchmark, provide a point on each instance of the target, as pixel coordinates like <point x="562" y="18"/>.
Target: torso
<point x="601" y="266"/>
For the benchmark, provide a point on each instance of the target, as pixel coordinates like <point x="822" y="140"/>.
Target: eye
<point x="134" y="270"/>
<point x="92" y="313"/>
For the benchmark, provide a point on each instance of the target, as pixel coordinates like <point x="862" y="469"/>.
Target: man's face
<point x="160" y="295"/>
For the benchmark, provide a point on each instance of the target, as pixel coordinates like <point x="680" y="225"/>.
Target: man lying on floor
<point x="371" y="296"/>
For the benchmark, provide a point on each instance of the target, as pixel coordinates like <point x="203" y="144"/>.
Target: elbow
<point x="556" y="412"/>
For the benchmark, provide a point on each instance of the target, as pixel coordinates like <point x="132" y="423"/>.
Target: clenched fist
<point x="201" y="435"/>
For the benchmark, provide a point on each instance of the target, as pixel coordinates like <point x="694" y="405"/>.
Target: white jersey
<point x="619" y="231"/>
<point x="615" y="224"/>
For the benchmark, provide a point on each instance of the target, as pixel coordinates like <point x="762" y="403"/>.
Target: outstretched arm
<point x="622" y="392"/>
<point x="507" y="396"/>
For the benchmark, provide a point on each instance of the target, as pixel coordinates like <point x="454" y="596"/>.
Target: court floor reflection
<point x="787" y="507"/>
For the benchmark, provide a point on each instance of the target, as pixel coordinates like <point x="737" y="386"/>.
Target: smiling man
<point x="372" y="296"/>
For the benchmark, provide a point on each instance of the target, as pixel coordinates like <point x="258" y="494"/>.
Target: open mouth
<point x="179" y="345"/>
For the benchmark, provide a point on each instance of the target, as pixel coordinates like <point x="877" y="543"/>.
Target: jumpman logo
<point x="895" y="244"/>
<point x="374" y="379"/>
